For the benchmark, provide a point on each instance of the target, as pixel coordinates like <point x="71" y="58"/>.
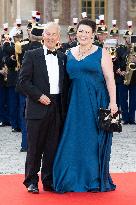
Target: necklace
<point x="82" y="54"/>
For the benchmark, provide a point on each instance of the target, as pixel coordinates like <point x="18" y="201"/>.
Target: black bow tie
<point x="51" y="52"/>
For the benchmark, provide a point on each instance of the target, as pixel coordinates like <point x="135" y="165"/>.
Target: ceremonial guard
<point x="5" y="31"/>
<point x="18" y="27"/>
<point x="4" y="118"/>
<point x="127" y="77"/>
<point x="114" y="36"/>
<point x="71" y="34"/>
<point x="101" y="33"/>
<point x="10" y="64"/>
<point x="34" y="20"/>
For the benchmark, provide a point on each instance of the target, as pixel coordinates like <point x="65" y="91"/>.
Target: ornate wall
<point x="132" y="11"/>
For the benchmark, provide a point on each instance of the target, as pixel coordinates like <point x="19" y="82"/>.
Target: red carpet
<point x="12" y="192"/>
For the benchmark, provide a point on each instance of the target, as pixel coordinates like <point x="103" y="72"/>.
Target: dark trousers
<point x="13" y="103"/>
<point x="22" y="104"/>
<point x="4" y="111"/>
<point x="43" y="138"/>
<point x="128" y="102"/>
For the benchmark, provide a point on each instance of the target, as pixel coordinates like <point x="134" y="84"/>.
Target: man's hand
<point x="118" y="71"/>
<point x="44" y="100"/>
<point x="2" y="72"/>
<point x="123" y="73"/>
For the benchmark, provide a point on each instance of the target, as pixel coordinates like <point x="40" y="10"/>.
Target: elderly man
<point x="43" y="79"/>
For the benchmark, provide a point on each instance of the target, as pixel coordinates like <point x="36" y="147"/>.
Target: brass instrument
<point x="111" y="47"/>
<point x="113" y="53"/>
<point x="131" y="65"/>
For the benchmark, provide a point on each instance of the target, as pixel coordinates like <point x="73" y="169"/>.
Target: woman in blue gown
<point x="82" y="159"/>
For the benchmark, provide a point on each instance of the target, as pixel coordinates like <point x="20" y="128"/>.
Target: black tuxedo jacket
<point x="34" y="81"/>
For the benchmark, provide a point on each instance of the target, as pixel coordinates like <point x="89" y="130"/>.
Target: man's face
<point x="51" y="37"/>
<point x="127" y="40"/>
<point x="72" y="37"/>
<point x="102" y="37"/>
<point x="7" y="38"/>
<point x="115" y="37"/>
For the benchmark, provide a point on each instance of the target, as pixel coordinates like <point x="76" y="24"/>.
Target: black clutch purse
<point x="110" y="123"/>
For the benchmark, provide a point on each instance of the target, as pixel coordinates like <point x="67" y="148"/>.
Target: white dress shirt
<point x="53" y="71"/>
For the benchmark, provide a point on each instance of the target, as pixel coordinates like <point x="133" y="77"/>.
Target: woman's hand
<point x="113" y="108"/>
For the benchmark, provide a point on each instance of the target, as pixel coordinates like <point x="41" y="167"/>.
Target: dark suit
<point x="13" y="97"/>
<point x="43" y="122"/>
<point x="3" y="93"/>
<point x="27" y="45"/>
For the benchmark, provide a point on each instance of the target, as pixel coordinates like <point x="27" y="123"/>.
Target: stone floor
<point x="123" y="157"/>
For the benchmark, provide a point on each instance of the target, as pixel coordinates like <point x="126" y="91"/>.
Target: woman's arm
<point x="107" y="67"/>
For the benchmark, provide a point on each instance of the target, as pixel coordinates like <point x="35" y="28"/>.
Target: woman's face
<point x="84" y="34"/>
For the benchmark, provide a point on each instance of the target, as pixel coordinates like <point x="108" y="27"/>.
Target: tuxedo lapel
<point x="42" y="65"/>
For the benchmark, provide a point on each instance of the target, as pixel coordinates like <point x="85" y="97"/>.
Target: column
<point x="65" y="18"/>
<point x="74" y="9"/>
<point x="47" y="11"/>
<point x="110" y="13"/>
<point x="123" y="13"/>
<point x="18" y="9"/>
<point x="2" y="12"/>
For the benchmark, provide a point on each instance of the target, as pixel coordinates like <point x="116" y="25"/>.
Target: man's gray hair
<point x="52" y="24"/>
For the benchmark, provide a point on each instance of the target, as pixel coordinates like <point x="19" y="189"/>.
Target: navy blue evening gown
<point x="82" y="159"/>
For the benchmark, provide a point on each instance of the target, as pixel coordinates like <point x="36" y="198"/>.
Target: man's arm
<point x="24" y="83"/>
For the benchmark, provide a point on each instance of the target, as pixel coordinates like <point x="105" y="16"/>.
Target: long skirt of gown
<point x="82" y="159"/>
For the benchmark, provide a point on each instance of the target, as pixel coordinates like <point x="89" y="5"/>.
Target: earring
<point x="92" y="39"/>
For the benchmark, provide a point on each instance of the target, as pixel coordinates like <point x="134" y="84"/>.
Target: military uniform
<point x="4" y="118"/>
<point x="98" y="43"/>
<point x="115" y="52"/>
<point x="13" y="100"/>
<point x="101" y="32"/>
<point x="127" y="93"/>
<point x="71" y="43"/>
<point x="66" y="46"/>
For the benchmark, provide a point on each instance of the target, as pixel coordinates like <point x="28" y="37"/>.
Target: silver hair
<point x="52" y="24"/>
